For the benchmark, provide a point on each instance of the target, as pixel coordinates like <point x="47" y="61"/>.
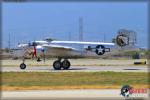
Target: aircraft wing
<point x="84" y="43"/>
<point x="52" y="46"/>
<point x="60" y="51"/>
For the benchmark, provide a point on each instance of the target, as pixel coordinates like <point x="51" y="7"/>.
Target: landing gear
<point x="65" y="64"/>
<point x="57" y="65"/>
<point x="23" y="66"/>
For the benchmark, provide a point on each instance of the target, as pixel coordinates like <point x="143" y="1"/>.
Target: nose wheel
<point x="22" y="66"/>
<point x="65" y="64"/>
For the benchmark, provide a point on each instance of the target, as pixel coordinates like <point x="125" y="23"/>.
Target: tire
<point x="66" y="64"/>
<point x="22" y="66"/>
<point x="57" y="65"/>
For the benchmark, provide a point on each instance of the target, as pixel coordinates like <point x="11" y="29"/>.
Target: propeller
<point x="122" y="40"/>
<point x="43" y="54"/>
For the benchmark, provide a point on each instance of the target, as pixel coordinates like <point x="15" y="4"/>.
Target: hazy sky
<point x="35" y="21"/>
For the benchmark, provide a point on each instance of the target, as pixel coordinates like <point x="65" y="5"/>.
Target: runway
<point x="85" y="93"/>
<point x="139" y="68"/>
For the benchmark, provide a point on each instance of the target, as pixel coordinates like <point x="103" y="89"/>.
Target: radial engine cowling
<point x="122" y="40"/>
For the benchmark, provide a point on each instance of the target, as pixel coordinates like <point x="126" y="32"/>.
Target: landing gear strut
<point x="23" y="65"/>
<point x="65" y="64"/>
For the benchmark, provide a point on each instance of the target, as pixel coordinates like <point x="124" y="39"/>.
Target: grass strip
<point x="70" y="80"/>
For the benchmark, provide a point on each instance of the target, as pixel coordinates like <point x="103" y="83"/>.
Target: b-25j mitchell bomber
<point x="63" y="50"/>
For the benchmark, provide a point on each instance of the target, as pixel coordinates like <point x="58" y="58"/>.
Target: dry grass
<point x="12" y="88"/>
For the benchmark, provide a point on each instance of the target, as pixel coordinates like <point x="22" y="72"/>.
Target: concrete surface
<point x="138" y="68"/>
<point x="87" y="93"/>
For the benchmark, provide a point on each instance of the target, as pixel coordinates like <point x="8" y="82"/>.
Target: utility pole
<point x="9" y="41"/>
<point x="80" y="29"/>
<point x="69" y="36"/>
<point x="104" y="38"/>
<point x="81" y="32"/>
<point x="43" y="36"/>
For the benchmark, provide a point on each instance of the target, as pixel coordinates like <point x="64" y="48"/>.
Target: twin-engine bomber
<point x="63" y="50"/>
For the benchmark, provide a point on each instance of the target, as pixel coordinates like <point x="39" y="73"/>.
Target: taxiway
<point x="78" y="94"/>
<point x="139" y="68"/>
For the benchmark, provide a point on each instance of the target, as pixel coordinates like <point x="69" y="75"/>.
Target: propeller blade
<point x="43" y="55"/>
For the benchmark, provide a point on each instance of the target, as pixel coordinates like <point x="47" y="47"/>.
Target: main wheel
<point x="66" y="64"/>
<point x="23" y="66"/>
<point x="57" y="65"/>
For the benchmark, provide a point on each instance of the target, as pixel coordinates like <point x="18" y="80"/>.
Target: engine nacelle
<point x="122" y="40"/>
<point x="100" y="50"/>
<point x="125" y="37"/>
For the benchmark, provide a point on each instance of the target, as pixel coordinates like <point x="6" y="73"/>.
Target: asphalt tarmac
<point x="139" y="68"/>
<point x="85" y="93"/>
